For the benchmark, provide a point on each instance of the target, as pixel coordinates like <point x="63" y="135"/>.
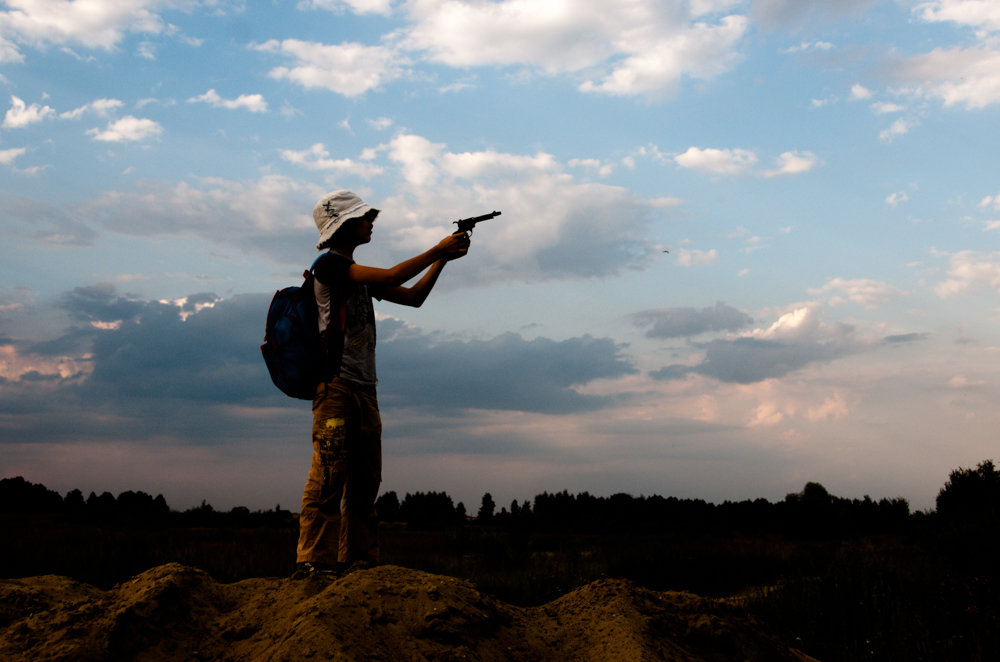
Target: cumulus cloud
<point x="863" y="291"/>
<point x="100" y="107"/>
<point x="90" y="24"/>
<point x="742" y="162"/>
<point x="20" y="115"/>
<point x="8" y="156"/>
<point x="970" y="271"/>
<point x="896" y="199"/>
<point x="550" y="218"/>
<point x="990" y="201"/>
<point x="978" y="14"/>
<point x="357" y="6"/>
<point x="318" y="158"/>
<point x="254" y="103"/>
<point x="898" y="128"/>
<point x="127" y="129"/>
<point x="350" y="69"/>
<point x="646" y="49"/>
<point x="688" y="322"/>
<point x="717" y="161"/>
<point x="693" y="257"/>
<point x="968" y="77"/>
<point x="793" y="163"/>
<point x="268" y="208"/>
<point x="795" y="340"/>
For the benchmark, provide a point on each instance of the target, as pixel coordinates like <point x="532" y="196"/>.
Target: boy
<point x="338" y="526"/>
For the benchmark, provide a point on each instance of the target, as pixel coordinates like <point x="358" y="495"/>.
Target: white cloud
<point x="357" y="6"/>
<point x="127" y="129"/>
<point x="101" y="107"/>
<point x="968" y="77"/>
<point x="793" y="163"/>
<point x="318" y="158"/>
<point x="9" y="51"/>
<point x="380" y="123"/>
<point x="717" y="161"/>
<point x="350" y="69"/>
<point x="898" y="128"/>
<point x="832" y="408"/>
<point x="549" y="218"/>
<point x="93" y="24"/>
<point x="970" y="271"/>
<point x="692" y="257"/>
<point x="644" y="48"/>
<point x="991" y="201"/>
<point x="980" y="14"/>
<point x="885" y="107"/>
<point x="8" y="156"/>
<point x="859" y="91"/>
<point x="20" y="115"/>
<point x="896" y="199"/>
<point x="806" y="46"/>
<point x="864" y="291"/>
<point x="205" y="208"/>
<point x="255" y="103"/>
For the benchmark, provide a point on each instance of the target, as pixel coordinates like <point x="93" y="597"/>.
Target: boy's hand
<point x="454" y="246"/>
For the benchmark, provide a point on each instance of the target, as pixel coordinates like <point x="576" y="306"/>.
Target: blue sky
<point x="823" y="175"/>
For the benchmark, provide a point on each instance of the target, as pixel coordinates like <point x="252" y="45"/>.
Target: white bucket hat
<point x="333" y="210"/>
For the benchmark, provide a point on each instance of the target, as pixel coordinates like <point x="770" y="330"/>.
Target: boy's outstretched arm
<point x="416" y="294"/>
<point x="451" y="247"/>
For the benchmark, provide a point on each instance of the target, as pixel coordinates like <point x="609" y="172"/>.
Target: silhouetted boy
<point x="338" y="527"/>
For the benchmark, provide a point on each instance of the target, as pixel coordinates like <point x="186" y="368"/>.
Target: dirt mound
<point x="386" y="613"/>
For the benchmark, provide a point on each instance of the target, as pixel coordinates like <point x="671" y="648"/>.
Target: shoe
<point x="310" y="569"/>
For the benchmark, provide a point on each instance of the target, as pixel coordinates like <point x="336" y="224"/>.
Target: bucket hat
<point x="333" y="210"/>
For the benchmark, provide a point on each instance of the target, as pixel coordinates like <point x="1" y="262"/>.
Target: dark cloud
<point x="506" y="372"/>
<point x="905" y="338"/>
<point x="164" y="377"/>
<point x="51" y="224"/>
<point x="687" y="322"/>
<point x="100" y="303"/>
<point x="773" y="14"/>
<point x="749" y="360"/>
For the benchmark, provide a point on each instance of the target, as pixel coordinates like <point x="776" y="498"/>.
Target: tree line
<point x="970" y="497"/>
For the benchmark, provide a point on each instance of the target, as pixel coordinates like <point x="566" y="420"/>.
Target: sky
<point x="744" y="244"/>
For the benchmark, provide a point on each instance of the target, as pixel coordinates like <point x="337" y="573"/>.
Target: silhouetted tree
<point x="18" y="496"/>
<point x="487" y="508"/>
<point x="430" y="510"/>
<point x="971" y="495"/>
<point x="387" y="506"/>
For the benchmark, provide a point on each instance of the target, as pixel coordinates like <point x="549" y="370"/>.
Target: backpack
<point x="297" y="357"/>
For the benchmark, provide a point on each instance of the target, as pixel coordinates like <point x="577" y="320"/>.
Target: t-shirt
<point x="333" y="289"/>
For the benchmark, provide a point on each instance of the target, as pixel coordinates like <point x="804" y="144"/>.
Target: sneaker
<point x="310" y="569"/>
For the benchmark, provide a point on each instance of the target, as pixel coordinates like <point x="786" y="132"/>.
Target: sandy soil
<point x="386" y="613"/>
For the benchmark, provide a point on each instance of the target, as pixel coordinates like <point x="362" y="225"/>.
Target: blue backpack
<point x="297" y="357"/>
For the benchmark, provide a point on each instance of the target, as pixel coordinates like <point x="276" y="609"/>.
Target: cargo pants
<point x="338" y="523"/>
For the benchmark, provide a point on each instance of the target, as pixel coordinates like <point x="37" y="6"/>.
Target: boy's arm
<point x="451" y="247"/>
<point x="416" y="295"/>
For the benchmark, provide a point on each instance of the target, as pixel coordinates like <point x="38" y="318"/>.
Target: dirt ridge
<point x="174" y="612"/>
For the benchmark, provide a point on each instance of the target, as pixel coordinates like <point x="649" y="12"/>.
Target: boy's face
<point x="359" y="230"/>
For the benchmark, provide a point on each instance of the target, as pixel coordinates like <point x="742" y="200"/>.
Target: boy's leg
<point x="320" y="521"/>
<point x="359" y="540"/>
